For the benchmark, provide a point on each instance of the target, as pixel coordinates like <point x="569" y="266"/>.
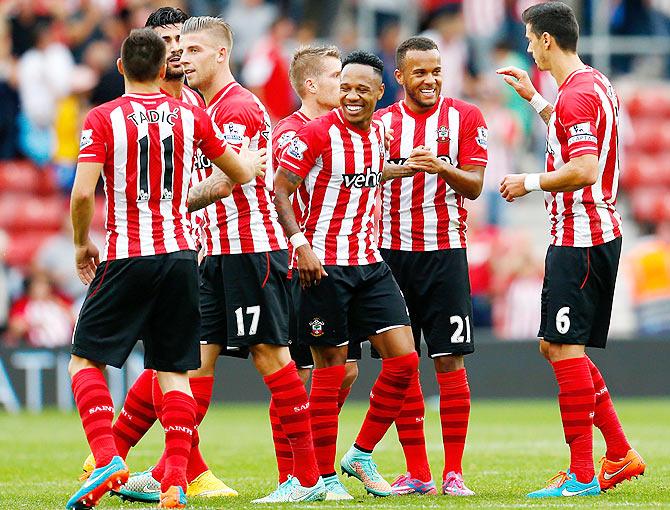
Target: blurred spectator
<point x="649" y="266"/>
<point x="266" y="71"/>
<point x="387" y="42"/>
<point x="517" y="286"/>
<point x="44" y="79"/>
<point x="250" y="21"/>
<point x="10" y="282"/>
<point x="448" y="32"/>
<point x="9" y="101"/>
<point x="41" y="318"/>
<point x="483" y="21"/>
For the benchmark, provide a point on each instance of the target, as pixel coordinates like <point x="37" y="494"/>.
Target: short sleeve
<point x="473" y="139"/>
<point x="92" y="145"/>
<point x="300" y="154"/>
<point x="578" y="114"/>
<point x="211" y="141"/>
<point x="246" y="121"/>
<point x="279" y="143"/>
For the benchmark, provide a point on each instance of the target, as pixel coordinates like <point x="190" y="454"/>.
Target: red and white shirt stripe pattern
<point x="190" y="96"/>
<point x="246" y="221"/>
<point x="342" y="168"/>
<point x="423" y="213"/>
<point x="585" y="121"/>
<point x="146" y="143"/>
<point x="282" y="134"/>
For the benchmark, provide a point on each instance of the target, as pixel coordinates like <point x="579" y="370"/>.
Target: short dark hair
<point x="555" y="18"/>
<point x="165" y="16"/>
<point x="143" y="55"/>
<point x="365" y="58"/>
<point x="417" y="43"/>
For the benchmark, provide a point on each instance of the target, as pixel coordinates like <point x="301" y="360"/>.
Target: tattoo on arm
<point x="215" y="187"/>
<point x="546" y="114"/>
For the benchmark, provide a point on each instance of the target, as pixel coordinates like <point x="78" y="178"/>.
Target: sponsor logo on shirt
<point x="482" y="138"/>
<point x="86" y="138"/>
<point x="365" y="180"/>
<point x="297" y="148"/>
<point x="233" y="133"/>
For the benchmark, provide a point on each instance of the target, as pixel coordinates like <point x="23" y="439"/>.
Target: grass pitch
<point x="513" y="447"/>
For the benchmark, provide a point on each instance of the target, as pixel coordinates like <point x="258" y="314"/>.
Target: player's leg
<point x="567" y="318"/>
<point x="111" y="319"/>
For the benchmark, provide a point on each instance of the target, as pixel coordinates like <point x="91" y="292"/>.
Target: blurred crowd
<point x="57" y="60"/>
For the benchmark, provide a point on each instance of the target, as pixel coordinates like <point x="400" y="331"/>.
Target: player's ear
<point x="398" y="76"/>
<point x="546" y="40"/>
<point x="381" y="92"/>
<point x="223" y="54"/>
<point x="163" y="70"/>
<point x="119" y="66"/>
<point x="310" y="85"/>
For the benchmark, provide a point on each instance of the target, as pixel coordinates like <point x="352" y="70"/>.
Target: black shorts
<point x="300" y="352"/>
<point x="352" y="302"/>
<point x="436" y="286"/>
<point x="154" y="298"/>
<point x="577" y="293"/>
<point x="244" y="300"/>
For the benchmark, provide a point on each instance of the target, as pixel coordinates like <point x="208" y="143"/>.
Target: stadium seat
<point x="27" y="212"/>
<point x="23" y="247"/>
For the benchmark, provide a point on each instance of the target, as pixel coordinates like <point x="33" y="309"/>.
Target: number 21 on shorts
<point x="458" y="337"/>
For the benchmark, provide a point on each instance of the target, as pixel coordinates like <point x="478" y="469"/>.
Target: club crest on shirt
<point x="482" y="138"/>
<point x="317" y="326"/>
<point x="297" y="148"/>
<point x="86" y="138"/>
<point x="443" y="134"/>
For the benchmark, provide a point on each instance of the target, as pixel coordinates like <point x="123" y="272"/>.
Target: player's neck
<point x="416" y="108"/>
<point x="132" y="87"/>
<point x="221" y="80"/>
<point x="564" y="65"/>
<point x="312" y="109"/>
<point x="172" y="87"/>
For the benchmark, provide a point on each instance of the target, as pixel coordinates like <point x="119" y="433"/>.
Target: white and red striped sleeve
<point x="301" y="153"/>
<point x="578" y="114"/>
<point x="473" y="138"/>
<point x="92" y="145"/>
<point x="212" y="143"/>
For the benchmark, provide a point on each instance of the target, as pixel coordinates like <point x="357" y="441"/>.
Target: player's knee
<point x="444" y="364"/>
<point x="544" y="349"/>
<point x="77" y="364"/>
<point x="350" y="375"/>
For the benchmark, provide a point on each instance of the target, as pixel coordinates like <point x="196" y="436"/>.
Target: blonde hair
<point x="220" y="28"/>
<point x="307" y="62"/>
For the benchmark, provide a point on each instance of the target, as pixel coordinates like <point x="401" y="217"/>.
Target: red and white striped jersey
<point x="190" y="96"/>
<point x="423" y="213"/>
<point x="282" y="135"/>
<point x="342" y="167"/>
<point x="585" y="121"/>
<point x="246" y="221"/>
<point x="146" y="143"/>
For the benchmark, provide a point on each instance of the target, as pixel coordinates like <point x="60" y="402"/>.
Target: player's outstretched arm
<point x="576" y="174"/>
<point x="309" y="267"/>
<point x="82" y="205"/>
<point x="215" y="187"/>
<point x="519" y="80"/>
<point x="394" y="171"/>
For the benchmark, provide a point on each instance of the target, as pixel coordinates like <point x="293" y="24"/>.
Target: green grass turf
<point x="513" y="447"/>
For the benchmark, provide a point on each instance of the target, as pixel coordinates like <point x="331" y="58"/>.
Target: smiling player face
<point x="421" y="77"/>
<point x="360" y="89"/>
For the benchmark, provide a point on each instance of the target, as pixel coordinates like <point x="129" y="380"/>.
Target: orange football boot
<point x="613" y="472"/>
<point x="174" y="497"/>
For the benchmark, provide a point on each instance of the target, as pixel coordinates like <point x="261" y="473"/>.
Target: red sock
<point x="409" y="424"/>
<point x="606" y="419"/>
<point x="202" y="388"/>
<point x="576" y="399"/>
<point x="137" y="415"/>
<point x="283" y="451"/>
<point x="342" y="397"/>
<point x="179" y="411"/>
<point x="290" y="399"/>
<point x="157" y="393"/>
<point x="96" y="410"/>
<point x="386" y="398"/>
<point x="454" y="416"/>
<point x="323" y="411"/>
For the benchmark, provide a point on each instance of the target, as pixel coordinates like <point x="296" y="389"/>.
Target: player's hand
<point x="388" y="138"/>
<point x="257" y="160"/>
<point x="519" y="80"/>
<point x="423" y="160"/>
<point x="512" y="186"/>
<point x="87" y="259"/>
<point x="309" y="266"/>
